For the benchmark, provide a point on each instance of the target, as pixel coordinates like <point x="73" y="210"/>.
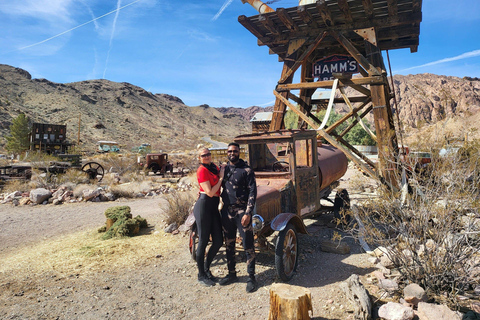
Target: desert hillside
<point x="427" y="105"/>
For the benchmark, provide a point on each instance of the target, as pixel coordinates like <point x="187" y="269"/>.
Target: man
<point x="238" y="195"/>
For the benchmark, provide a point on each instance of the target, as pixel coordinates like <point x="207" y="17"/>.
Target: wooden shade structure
<point x="358" y="28"/>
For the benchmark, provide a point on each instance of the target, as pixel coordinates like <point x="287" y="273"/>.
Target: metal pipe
<point x="259" y="6"/>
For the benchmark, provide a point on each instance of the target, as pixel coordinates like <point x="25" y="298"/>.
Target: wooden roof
<point x="396" y="22"/>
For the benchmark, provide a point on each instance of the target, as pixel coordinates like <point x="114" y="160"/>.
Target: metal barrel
<point x="259" y="6"/>
<point x="332" y="163"/>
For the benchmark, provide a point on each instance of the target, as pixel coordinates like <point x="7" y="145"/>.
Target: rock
<point x="430" y="311"/>
<point x="171" y="228"/>
<point x="386" y="261"/>
<point x="11" y="196"/>
<point x="413" y="294"/>
<point x="24" y="201"/>
<point x="395" y="311"/>
<point x="40" y="195"/>
<point x="388" y="285"/>
<point x="59" y="193"/>
<point x="56" y="202"/>
<point x="90" y="194"/>
<point x="110" y="196"/>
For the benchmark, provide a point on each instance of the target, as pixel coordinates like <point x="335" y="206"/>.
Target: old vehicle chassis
<point x="23" y="171"/>
<point x="294" y="173"/>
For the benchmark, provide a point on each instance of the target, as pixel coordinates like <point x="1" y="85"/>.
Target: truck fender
<point x="281" y="221"/>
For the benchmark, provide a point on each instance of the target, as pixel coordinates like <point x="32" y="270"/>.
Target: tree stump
<point x="289" y="302"/>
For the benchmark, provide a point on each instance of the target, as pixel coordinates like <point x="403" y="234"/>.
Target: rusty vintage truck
<point x="294" y="172"/>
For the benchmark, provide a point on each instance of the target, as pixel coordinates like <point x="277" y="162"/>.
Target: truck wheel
<point x="155" y="168"/>
<point x="341" y="203"/>
<point x="286" y="253"/>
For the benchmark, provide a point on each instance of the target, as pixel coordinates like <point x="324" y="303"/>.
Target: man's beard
<point x="234" y="157"/>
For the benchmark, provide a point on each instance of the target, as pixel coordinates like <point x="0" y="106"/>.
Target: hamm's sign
<point x="324" y="68"/>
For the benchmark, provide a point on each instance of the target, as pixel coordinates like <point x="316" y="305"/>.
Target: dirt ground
<point x="159" y="285"/>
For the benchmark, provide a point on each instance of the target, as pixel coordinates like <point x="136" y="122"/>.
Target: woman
<point x="207" y="216"/>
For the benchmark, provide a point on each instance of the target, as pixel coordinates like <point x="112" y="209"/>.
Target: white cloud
<point x="466" y="55"/>
<point x="50" y="10"/>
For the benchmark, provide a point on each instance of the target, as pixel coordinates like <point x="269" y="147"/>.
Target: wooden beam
<point x="280" y="107"/>
<point x="368" y="7"/>
<point x="392" y="7"/>
<point x="347" y="116"/>
<point x="355" y="121"/>
<point x="249" y="26"/>
<point x="325" y="13"/>
<point x="307" y="17"/>
<point x="377" y="23"/>
<point x="303" y="57"/>
<point x="269" y="24"/>
<point x="356" y="54"/>
<point x="417" y="6"/>
<point x="343" y="5"/>
<point x="286" y="19"/>
<point x="329" y="84"/>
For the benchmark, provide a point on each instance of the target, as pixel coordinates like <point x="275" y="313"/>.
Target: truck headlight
<point x="257" y="223"/>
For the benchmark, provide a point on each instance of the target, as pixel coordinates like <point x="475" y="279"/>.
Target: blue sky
<point x="196" y="49"/>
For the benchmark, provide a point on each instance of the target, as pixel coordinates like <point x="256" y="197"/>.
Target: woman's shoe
<point x="211" y="276"/>
<point x="205" y="281"/>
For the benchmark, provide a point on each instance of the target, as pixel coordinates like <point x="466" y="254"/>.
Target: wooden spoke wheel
<point x="94" y="171"/>
<point x="286" y="253"/>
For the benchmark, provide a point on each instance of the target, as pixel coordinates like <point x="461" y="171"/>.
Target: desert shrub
<point x="123" y="223"/>
<point x="72" y="176"/>
<point x="78" y="190"/>
<point x="130" y="190"/>
<point x="432" y="238"/>
<point x="178" y="206"/>
<point x="15" y="185"/>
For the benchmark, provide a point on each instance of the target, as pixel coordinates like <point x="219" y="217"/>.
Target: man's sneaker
<point x="211" y="276"/>
<point x="205" y="281"/>
<point x="251" y="284"/>
<point x="228" y="279"/>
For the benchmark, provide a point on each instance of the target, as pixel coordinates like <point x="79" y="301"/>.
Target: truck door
<point x="306" y="177"/>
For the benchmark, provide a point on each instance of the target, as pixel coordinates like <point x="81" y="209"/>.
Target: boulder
<point x="395" y="311"/>
<point x="40" y="195"/>
<point x="430" y="311"/>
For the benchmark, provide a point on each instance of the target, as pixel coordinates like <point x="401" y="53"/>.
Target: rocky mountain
<point x="104" y="110"/>
<point x="107" y="110"/>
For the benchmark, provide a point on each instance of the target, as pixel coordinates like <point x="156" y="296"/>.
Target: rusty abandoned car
<point x="294" y="172"/>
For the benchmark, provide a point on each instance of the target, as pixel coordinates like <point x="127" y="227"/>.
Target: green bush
<point x="123" y="224"/>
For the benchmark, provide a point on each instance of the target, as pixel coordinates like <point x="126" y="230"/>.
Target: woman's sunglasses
<point x="205" y="155"/>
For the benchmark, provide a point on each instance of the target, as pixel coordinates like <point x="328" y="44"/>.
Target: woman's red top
<point x="203" y="174"/>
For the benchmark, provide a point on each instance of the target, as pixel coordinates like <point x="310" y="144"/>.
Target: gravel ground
<point x="160" y="286"/>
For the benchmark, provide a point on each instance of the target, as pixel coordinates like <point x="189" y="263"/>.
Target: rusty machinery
<point x="360" y="29"/>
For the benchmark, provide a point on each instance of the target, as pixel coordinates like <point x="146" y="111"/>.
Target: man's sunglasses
<point x="205" y="155"/>
<point x="232" y="151"/>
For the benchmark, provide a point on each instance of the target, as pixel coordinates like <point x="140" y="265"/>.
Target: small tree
<point x="19" y="131"/>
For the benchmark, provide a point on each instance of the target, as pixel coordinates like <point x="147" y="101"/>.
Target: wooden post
<point x="289" y="302"/>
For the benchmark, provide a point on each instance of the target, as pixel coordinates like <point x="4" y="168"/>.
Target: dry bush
<point x="130" y="189"/>
<point x="78" y="190"/>
<point x="15" y="185"/>
<point x="433" y="238"/>
<point x="72" y="176"/>
<point x="178" y="206"/>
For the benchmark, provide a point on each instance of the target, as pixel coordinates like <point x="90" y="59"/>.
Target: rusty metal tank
<point x="332" y="163"/>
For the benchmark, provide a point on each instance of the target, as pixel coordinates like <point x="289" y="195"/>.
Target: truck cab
<point x="294" y="172"/>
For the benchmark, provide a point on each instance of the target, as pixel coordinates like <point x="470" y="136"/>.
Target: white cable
<point x="330" y="105"/>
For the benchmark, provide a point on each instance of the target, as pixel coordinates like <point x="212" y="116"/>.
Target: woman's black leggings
<point x="208" y="223"/>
